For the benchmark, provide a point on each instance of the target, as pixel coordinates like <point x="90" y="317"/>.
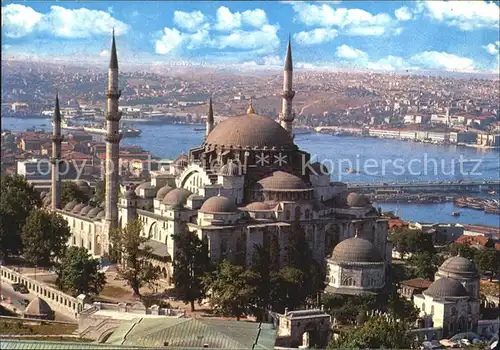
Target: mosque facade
<point x="247" y="184"/>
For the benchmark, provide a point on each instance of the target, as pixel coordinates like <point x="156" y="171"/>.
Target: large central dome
<point x="250" y="130"/>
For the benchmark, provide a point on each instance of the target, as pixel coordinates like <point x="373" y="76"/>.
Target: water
<point x="378" y="160"/>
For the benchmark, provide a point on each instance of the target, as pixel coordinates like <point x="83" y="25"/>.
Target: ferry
<point x="100" y="129"/>
<point x="492" y="192"/>
<point x="455" y="213"/>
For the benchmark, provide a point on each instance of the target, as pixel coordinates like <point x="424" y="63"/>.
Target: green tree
<point x="78" y="273"/>
<point x="400" y="308"/>
<point x="411" y="241"/>
<point x="17" y="200"/>
<point x="230" y="289"/>
<point x="261" y="267"/>
<point x="44" y="237"/>
<point x="462" y="249"/>
<point x="377" y="332"/>
<point x="134" y="256"/>
<point x="99" y="193"/>
<point x="425" y="265"/>
<point x="191" y="263"/>
<point x="488" y="261"/>
<point x="71" y="192"/>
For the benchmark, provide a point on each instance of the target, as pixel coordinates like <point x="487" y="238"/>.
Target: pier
<point x="466" y="186"/>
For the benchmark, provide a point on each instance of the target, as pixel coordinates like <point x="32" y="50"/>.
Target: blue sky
<point x="380" y="36"/>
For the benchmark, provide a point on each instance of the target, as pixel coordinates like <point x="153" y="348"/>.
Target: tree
<point x="462" y="249"/>
<point x="17" y="200"/>
<point x="78" y="273"/>
<point x="71" y="192"/>
<point x="261" y="267"/>
<point x="400" y="308"/>
<point x="230" y="289"/>
<point x="191" y="263"/>
<point x="488" y="261"/>
<point x="377" y="332"/>
<point x="134" y="256"/>
<point x="99" y="192"/>
<point x="425" y="264"/>
<point x="412" y="241"/>
<point x="44" y="237"/>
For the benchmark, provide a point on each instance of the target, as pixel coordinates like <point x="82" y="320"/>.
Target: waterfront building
<point x="247" y="184"/>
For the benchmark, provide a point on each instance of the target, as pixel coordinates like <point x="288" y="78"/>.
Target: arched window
<point x="297" y="213"/>
<point x="287" y="214"/>
<point x="349" y="281"/>
<point x="453" y="311"/>
<point x="432" y="309"/>
<point x="307" y="214"/>
<point x="423" y="307"/>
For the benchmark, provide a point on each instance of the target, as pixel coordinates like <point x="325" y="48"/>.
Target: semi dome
<point x="78" y="208"/>
<point x="356" y="250"/>
<point x="250" y="130"/>
<point x="38" y="307"/>
<point x="69" y="206"/>
<point x="280" y="180"/>
<point x="162" y="192"/>
<point x="144" y="185"/>
<point x="460" y="266"/>
<point x="177" y="197"/>
<point x="218" y="204"/>
<point x="100" y="215"/>
<point x="86" y="210"/>
<point x="257" y="206"/>
<point x="357" y="200"/>
<point x="93" y="212"/>
<point x="446" y="288"/>
<point x="230" y="169"/>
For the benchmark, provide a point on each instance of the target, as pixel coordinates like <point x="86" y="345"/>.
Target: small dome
<point x="460" y="266"/>
<point x="144" y="185"/>
<point x="446" y="288"/>
<point x="231" y="169"/>
<point x="38" y="307"/>
<point x="280" y="180"/>
<point x="100" y="215"/>
<point x="93" y="212"/>
<point x="69" y="206"/>
<point x="356" y="250"/>
<point x="357" y="200"/>
<point x="218" y="204"/>
<point x="78" y="208"/>
<point x="86" y="210"/>
<point x="257" y="206"/>
<point x="81" y="183"/>
<point x="177" y="197"/>
<point x="130" y="194"/>
<point x="162" y="192"/>
<point x="341" y="199"/>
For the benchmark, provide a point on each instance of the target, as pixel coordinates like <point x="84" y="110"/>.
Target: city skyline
<point x="382" y="36"/>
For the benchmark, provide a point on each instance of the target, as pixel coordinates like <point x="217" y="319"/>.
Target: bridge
<point x="465" y="186"/>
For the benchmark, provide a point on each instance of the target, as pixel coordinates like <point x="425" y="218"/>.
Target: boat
<point x="351" y="171"/>
<point x="492" y="192"/>
<point x="199" y="129"/>
<point x="455" y="213"/>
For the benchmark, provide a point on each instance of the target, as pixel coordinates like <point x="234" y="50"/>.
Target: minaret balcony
<point x="113" y="138"/>
<point x="288" y="94"/>
<point x="57" y="138"/>
<point x="113" y="94"/>
<point x="114" y="117"/>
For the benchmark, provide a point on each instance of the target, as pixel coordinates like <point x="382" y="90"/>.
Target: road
<point x="16" y="300"/>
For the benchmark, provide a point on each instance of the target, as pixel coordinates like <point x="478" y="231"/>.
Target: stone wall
<point x="57" y="300"/>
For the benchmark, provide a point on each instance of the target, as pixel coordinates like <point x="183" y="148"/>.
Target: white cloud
<point x="104" y="53"/>
<point x="19" y="21"/>
<point x="170" y="41"/>
<point x="351" y="21"/>
<point x="493" y="48"/>
<point x="304" y="65"/>
<point x="264" y="40"/>
<point x="389" y="64"/>
<point x="444" y="61"/>
<point x="350" y="53"/>
<point x="403" y="14"/>
<point x="315" y="36"/>
<point x="227" y="20"/>
<point x="272" y="60"/>
<point x="190" y="21"/>
<point x="466" y="15"/>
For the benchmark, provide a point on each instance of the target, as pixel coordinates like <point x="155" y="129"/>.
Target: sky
<point x="390" y="36"/>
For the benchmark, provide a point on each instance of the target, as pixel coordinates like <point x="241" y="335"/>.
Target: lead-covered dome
<point x="357" y="200"/>
<point x="356" y="250"/>
<point x="93" y="212"/>
<point x="77" y="208"/>
<point x="281" y="181"/>
<point x="446" y="288"/>
<point x="86" y="210"/>
<point x="257" y="206"/>
<point x="177" y="197"/>
<point x="250" y="130"/>
<point x="459" y="265"/>
<point x="70" y="205"/>
<point x="162" y="192"/>
<point x="218" y="204"/>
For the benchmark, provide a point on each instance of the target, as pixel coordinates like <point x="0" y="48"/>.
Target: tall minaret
<point x="210" y="119"/>
<point x="286" y="115"/>
<point x="56" y="156"/>
<point x="113" y="138"/>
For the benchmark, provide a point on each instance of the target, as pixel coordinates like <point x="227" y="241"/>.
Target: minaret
<point x="210" y="119"/>
<point x="113" y="138"/>
<point x="286" y="115"/>
<point x="250" y="109"/>
<point x="56" y="156"/>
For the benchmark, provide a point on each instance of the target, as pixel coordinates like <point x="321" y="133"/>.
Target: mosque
<point x="245" y="185"/>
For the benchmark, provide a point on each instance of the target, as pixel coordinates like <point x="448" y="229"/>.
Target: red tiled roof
<point x="397" y="223"/>
<point x="419" y="283"/>
<point x="472" y="240"/>
<point x="482" y="229"/>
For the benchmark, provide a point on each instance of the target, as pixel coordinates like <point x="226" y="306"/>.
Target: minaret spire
<point x="56" y="157"/>
<point x="113" y="138"/>
<point x="286" y="116"/>
<point x="210" y="119"/>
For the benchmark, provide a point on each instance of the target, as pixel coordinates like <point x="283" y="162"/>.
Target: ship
<point x="455" y="213"/>
<point x="99" y="129"/>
